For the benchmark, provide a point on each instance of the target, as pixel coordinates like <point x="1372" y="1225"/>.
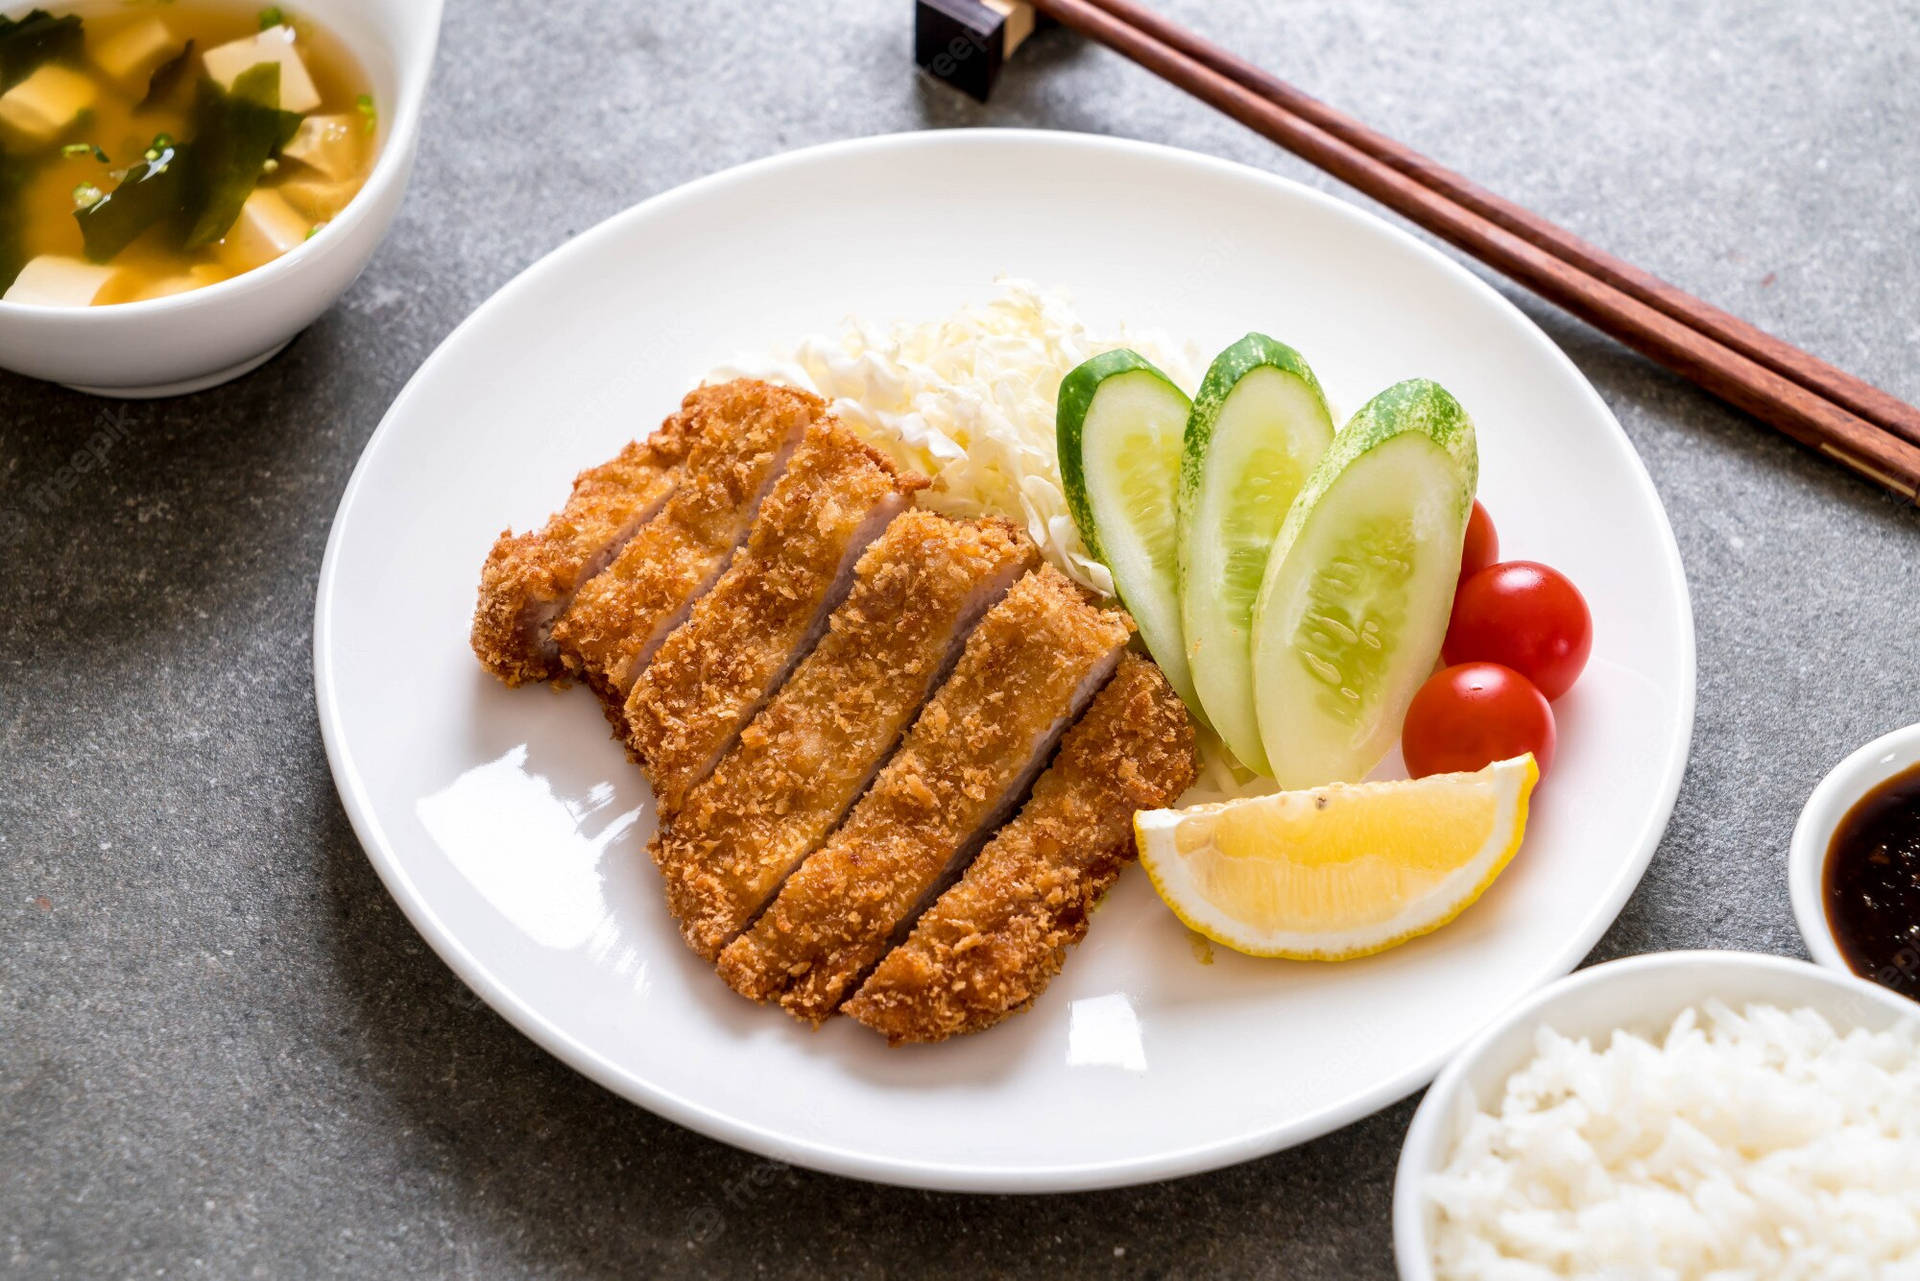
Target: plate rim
<point x="932" y="1174"/>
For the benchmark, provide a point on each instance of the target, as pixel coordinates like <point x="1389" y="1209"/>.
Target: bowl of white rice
<point x="1681" y="1115"/>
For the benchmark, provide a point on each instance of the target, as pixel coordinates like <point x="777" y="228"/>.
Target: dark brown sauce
<point x="1872" y="884"/>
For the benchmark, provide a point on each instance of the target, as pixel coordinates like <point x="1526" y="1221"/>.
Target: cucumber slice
<point x="1357" y="591"/>
<point x="1258" y="426"/>
<point x="1120" y="424"/>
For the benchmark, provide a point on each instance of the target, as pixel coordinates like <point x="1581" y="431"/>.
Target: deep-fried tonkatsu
<point x="744" y="432"/>
<point x="1026" y="672"/>
<point x="530" y="578"/>
<point x="994" y="941"/>
<point x="826" y="768"/>
<point x="743" y="637"/>
<point x="806" y="758"/>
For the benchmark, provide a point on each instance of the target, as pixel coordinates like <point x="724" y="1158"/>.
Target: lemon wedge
<point x="1341" y="871"/>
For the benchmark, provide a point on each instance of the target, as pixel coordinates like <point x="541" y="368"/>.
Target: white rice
<point x="1747" y="1146"/>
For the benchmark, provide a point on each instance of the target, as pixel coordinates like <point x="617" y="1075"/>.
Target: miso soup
<point x="149" y="147"/>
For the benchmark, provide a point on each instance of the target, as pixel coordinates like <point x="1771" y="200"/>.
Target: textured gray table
<point x="224" y="1053"/>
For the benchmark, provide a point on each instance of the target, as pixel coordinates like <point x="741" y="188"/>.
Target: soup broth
<point x="149" y="147"/>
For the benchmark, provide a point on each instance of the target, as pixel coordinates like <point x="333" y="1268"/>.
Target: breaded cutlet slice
<point x="744" y="637"/>
<point x="993" y="942"/>
<point x="530" y="578"/>
<point x="743" y="433"/>
<point x="1026" y="672"/>
<point x="917" y="593"/>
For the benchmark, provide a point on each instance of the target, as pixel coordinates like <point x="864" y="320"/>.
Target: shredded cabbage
<point x="969" y="400"/>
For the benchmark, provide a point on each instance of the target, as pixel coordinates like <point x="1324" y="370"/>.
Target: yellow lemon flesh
<point x="1340" y="871"/>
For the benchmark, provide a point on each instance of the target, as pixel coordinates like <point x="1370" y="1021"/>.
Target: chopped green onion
<point x="314" y="230"/>
<point x="364" y="103"/>
<point x="161" y="142"/>
<point x="151" y="194"/>
<point x="86" y="196"/>
<point x="271" y="17"/>
<point x="74" y="149"/>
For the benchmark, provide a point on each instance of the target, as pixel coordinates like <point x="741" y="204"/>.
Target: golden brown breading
<point x="744" y="432"/>
<point x="1026" y="671"/>
<point x="530" y="578"/>
<point x="803" y="761"/>
<point x="712" y="674"/>
<point x="993" y="942"/>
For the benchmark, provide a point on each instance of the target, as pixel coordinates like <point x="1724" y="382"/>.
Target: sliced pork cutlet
<point x="744" y="637"/>
<point x="1025" y="674"/>
<point x="799" y="765"/>
<point x="530" y="578"/>
<point x="744" y="432"/>
<point x="993" y="942"/>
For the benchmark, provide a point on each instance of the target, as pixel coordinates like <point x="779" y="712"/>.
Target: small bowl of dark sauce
<point x="1855" y="865"/>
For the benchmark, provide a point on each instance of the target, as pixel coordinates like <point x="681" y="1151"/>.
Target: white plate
<point x="512" y="830"/>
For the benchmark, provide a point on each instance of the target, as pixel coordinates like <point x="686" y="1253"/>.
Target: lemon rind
<point x="1367" y="945"/>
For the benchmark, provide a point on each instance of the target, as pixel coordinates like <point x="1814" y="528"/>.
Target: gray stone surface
<point x="223" y="1052"/>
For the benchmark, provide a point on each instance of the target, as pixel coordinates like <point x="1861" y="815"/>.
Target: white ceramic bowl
<point x="1837" y="793"/>
<point x="199" y="339"/>
<point x="1642" y="994"/>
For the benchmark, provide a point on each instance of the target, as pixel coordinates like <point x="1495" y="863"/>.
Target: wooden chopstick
<point x="1854" y="394"/>
<point x="1803" y="411"/>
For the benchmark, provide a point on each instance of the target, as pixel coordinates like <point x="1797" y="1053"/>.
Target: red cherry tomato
<point x="1467" y="717"/>
<point x="1525" y="616"/>
<point x="1482" y="546"/>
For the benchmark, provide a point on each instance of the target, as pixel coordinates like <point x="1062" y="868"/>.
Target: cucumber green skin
<point x="1077" y="392"/>
<point x="1416" y="405"/>
<point x="1255" y="351"/>
<point x="1228" y="368"/>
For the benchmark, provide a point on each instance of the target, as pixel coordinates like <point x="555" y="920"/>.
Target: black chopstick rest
<point x="964" y="43"/>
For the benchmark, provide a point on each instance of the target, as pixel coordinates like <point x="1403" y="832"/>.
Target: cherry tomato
<point x="1482" y="547"/>
<point x="1526" y="616"/>
<point x="1467" y="717"/>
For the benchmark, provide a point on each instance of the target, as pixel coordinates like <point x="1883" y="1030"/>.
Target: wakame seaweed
<point x="154" y="191"/>
<point x="27" y="42"/>
<point x="13" y="254"/>
<point x="166" y="77"/>
<point x="235" y="134"/>
<point x="198" y="185"/>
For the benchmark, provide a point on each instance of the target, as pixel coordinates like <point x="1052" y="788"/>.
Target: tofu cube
<point x="317" y="198"/>
<point x="330" y="144"/>
<point x="267" y="227"/>
<point x="53" y="281"/>
<point x="131" y="55"/>
<point x="199" y="276"/>
<point x="225" y="63"/>
<point x="45" y="105"/>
